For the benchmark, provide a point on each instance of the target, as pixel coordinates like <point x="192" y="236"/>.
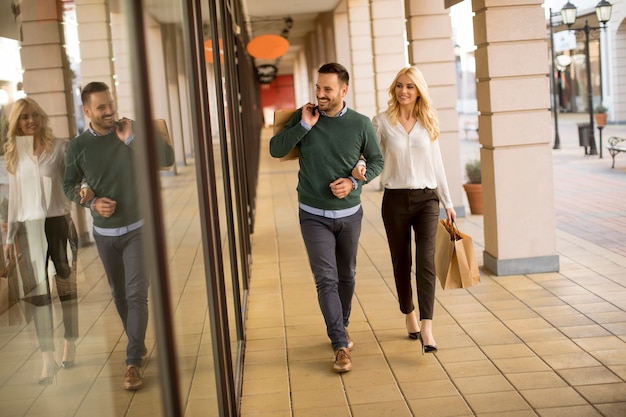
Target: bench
<point x="616" y="145"/>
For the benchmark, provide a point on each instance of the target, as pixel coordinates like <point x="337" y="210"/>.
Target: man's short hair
<point x="89" y="89"/>
<point x="335" y="68"/>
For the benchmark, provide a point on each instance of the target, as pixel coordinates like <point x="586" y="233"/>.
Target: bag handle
<point x="452" y="229"/>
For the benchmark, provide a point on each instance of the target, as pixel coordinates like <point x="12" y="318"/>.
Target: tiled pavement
<point x="551" y="344"/>
<point x="533" y="345"/>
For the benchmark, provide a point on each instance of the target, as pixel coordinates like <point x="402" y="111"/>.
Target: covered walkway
<point x="550" y="344"/>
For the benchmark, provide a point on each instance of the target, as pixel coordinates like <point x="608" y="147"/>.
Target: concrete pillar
<point x="431" y="49"/>
<point x="363" y="86"/>
<point x="390" y="54"/>
<point x="513" y="94"/>
<point x="343" y="52"/>
<point x="94" y="32"/>
<point x="175" y="70"/>
<point x="47" y="76"/>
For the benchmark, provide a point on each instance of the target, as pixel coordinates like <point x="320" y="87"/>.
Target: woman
<point x="40" y="226"/>
<point x="415" y="182"/>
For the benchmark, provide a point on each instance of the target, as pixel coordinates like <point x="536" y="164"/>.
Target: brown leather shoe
<point x="342" y="360"/>
<point x="350" y="342"/>
<point x="132" y="378"/>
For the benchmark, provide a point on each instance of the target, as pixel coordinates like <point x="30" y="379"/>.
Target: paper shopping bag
<point x="12" y="310"/>
<point x="281" y="117"/>
<point x="4" y="294"/>
<point x="455" y="262"/>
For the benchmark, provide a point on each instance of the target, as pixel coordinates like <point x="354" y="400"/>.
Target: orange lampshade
<point x="208" y="51"/>
<point x="268" y="46"/>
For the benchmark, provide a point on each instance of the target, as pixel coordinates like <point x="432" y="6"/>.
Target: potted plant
<point x="599" y="113"/>
<point x="473" y="187"/>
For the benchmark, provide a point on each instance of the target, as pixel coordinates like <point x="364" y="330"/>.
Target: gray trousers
<point x="332" y="246"/>
<point x="121" y="257"/>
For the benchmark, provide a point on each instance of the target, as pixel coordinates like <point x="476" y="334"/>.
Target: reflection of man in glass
<point x="103" y="155"/>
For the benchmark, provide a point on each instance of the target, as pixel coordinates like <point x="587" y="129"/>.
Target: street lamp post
<point x="603" y="12"/>
<point x="555" y="96"/>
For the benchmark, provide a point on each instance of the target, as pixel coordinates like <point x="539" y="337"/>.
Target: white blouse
<point x="36" y="188"/>
<point x="412" y="160"/>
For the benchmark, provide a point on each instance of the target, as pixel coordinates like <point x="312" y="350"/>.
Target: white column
<point x="513" y="94"/>
<point x="94" y="32"/>
<point x="431" y="49"/>
<point x="363" y="86"/>
<point x="390" y="52"/>
<point x="47" y="76"/>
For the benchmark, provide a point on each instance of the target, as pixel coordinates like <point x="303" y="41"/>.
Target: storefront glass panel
<point x="195" y="211"/>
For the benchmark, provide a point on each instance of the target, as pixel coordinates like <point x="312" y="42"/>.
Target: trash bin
<point x="583" y="134"/>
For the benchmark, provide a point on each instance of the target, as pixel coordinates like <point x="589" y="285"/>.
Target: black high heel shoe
<point x="426" y="348"/>
<point x="48" y="380"/>
<point x="66" y="364"/>
<point x="412" y="335"/>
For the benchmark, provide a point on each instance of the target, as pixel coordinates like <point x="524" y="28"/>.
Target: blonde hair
<point x="423" y="111"/>
<point x="45" y="134"/>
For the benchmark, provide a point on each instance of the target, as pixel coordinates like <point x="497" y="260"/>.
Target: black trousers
<point x="404" y="211"/>
<point x="60" y="232"/>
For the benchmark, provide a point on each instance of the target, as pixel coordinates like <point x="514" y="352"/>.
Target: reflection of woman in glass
<point x="40" y="227"/>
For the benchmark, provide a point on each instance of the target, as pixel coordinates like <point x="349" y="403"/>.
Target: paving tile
<point x="319" y="411"/>
<point x="611" y="357"/>
<point x="536" y="380"/>
<point x="360" y="377"/>
<point x="425" y="388"/>
<point x="574" y="332"/>
<point x="570" y="360"/>
<point x="471" y="369"/>
<point x="573" y="411"/>
<point x="612" y="409"/>
<point x="553" y="397"/>
<point x="518" y="350"/>
<point x="589" y="376"/>
<point x="497" y="402"/>
<point x="604" y="393"/>
<point x="369" y="394"/>
<point x="382" y="409"/>
<point x="461" y="354"/>
<point x="483" y="384"/>
<point x="521" y="365"/>
<point x="304" y="399"/>
<point x="601" y="343"/>
<point x="440" y="407"/>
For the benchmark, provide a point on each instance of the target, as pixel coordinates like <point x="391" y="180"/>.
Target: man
<point x="103" y="157"/>
<point x="330" y="139"/>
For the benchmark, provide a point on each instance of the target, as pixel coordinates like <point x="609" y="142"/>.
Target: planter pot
<point x="600" y="119"/>
<point x="474" y="197"/>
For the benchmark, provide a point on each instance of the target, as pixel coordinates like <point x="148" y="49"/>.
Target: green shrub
<point x="473" y="172"/>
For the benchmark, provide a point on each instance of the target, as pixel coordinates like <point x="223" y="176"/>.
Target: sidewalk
<point x="590" y="197"/>
<point x="531" y="345"/>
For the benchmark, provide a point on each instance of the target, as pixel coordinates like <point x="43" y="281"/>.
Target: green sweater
<point x="327" y="152"/>
<point x="107" y="165"/>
